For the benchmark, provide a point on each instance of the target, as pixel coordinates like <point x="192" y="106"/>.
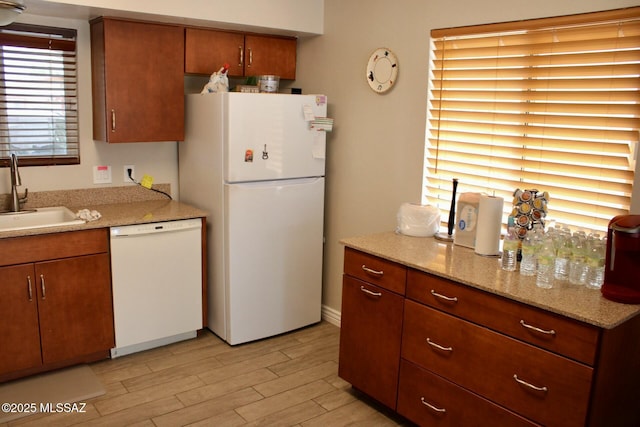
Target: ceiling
<point x="85" y="13"/>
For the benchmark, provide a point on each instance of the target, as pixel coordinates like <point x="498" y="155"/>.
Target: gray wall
<point x="375" y="152"/>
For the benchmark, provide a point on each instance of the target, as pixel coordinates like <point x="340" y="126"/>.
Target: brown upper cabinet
<point x="247" y="54"/>
<point x="137" y="81"/>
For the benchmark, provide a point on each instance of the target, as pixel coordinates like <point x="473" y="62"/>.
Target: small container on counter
<point x="546" y="258"/>
<point x="268" y="83"/>
<point x="595" y="264"/>
<point x="509" y="261"/>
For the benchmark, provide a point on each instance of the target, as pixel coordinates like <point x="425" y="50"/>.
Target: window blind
<point x="548" y="104"/>
<point x="38" y="95"/>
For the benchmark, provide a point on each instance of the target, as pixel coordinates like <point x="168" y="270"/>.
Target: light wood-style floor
<point x="288" y="380"/>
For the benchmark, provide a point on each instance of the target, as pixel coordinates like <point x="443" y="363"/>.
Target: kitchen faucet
<point x="15" y="182"/>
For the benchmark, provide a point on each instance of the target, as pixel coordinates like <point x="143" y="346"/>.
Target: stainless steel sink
<point x="58" y="216"/>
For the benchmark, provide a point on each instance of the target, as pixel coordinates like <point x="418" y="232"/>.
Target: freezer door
<point x="274" y="241"/>
<point x="269" y="137"/>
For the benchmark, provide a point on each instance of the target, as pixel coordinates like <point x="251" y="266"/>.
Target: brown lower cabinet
<point x="429" y="399"/>
<point x="370" y="345"/>
<point x="58" y="311"/>
<point x="445" y="354"/>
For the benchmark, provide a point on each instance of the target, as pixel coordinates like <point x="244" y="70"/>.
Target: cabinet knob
<point x="241" y="51"/>
<point x="113" y="120"/>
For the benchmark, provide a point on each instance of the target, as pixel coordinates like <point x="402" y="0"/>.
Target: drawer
<point x="383" y="273"/>
<point x="429" y="400"/>
<point x="561" y="335"/>
<point x="530" y="381"/>
<point x="20" y="250"/>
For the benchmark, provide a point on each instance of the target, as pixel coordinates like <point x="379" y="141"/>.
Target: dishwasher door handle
<point x="155" y="228"/>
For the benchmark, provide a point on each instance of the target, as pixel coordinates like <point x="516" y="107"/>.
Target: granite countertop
<point x="118" y="207"/>
<point x="463" y="265"/>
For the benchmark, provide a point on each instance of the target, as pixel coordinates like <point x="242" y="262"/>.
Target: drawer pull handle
<point x="432" y="407"/>
<point x="368" y="270"/>
<point x="42" y="287"/>
<point x="531" y="386"/>
<point x="444" y="297"/>
<point x="367" y="291"/>
<point x="533" y="328"/>
<point x="438" y="346"/>
<point x="29" y="288"/>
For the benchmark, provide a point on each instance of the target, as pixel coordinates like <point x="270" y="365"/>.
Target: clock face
<point x="382" y="70"/>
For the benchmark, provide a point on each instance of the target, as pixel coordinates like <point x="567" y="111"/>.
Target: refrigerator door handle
<point x="277" y="183"/>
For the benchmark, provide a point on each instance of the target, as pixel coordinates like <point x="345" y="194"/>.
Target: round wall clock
<point x="382" y="70"/>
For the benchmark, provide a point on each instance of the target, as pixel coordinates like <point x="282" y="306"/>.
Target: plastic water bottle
<point x="577" y="264"/>
<point x="595" y="264"/>
<point x="546" y="264"/>
<point x="563" y="253"/>
<point x="510" y="246"/>
<point x="530" y="245"/>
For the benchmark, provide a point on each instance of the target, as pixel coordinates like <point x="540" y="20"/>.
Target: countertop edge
<point x="399" y="248"/>
<point x="120" y="214"/>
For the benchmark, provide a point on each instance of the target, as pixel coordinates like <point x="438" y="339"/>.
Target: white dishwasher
<point x="156" y="272"/>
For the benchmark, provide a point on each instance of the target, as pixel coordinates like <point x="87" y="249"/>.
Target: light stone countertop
<point x="118" y="206"/>
<point x="463" y="265"/>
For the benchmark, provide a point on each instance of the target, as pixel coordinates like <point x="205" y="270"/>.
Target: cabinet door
<point x="271" y="56"/>
<point x="138" y="81"/>
<point x="19" y="333"/>
<point x="75" y="303"/>
<point x="370" y="333"/>
<point x="208" y="50"/>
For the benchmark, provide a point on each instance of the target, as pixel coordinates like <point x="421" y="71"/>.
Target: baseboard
<point x="330" y="315"/>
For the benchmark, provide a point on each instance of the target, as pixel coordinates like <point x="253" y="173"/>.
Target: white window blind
<point x="38" y="95"/>
<point x="549" y="104"/>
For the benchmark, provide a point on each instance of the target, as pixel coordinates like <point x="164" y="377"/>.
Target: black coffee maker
<point x="622" y="268"/>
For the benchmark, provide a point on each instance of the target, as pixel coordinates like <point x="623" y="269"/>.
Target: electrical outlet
<point x="129" y="179"/>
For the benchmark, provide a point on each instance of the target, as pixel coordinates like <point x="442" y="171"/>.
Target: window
<point x="38" y="106"/>
<point x="548" y="104"/>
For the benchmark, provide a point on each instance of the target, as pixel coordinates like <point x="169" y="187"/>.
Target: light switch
<point x="102" y="174"/>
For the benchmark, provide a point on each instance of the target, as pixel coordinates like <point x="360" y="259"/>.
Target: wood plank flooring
<point x="288" y="380"/>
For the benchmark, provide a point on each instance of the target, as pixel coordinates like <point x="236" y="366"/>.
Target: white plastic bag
<point x="418" y="220"/>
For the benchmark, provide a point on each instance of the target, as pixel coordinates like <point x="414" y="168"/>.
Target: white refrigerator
<point x="257" y="165"/>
